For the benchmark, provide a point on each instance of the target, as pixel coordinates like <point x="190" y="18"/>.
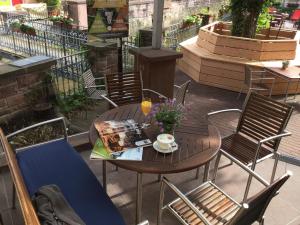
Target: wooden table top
<point x="198" y="143"/>
<point x="292" y="72"/>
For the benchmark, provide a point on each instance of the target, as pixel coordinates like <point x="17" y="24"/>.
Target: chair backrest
<point x="257" y="205"/>
<point x="89" y="80"/>
<point x="124" y="88"/>
<point x="181" y="92"/>
<point x="263" y="117"/>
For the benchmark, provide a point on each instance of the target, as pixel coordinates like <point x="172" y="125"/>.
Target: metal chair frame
<point x="24" y="149"/>
<point x="259" y="144"/>
<point x="181" y="92"/>
<point x="250" y="81"/>
<point x="240" y="207"/>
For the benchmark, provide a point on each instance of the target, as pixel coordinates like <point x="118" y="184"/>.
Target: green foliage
<point x="77" y="101"/>
<point x="192" y="19"/>
<point x="264" y="19"/>
<point x="247" y="15"/>
<point x="26" y="28"/>
<point x="167" y="115"/>
<point x="224" y="9"/>
<point x="53" y="3"/>
<point x="62" y="19"/>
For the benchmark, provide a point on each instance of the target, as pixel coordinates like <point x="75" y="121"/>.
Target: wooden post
<point x="157" y="23"/>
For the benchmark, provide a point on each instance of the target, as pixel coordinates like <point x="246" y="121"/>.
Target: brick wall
<point x="15" y="83"/>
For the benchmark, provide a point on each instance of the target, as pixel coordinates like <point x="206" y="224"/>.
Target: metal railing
<point x="66" y="73"/>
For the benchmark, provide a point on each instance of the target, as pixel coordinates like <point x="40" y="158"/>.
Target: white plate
<point x="173" y="149"/>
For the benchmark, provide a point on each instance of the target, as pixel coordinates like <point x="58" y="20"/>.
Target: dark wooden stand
<point x="157" y="67"/>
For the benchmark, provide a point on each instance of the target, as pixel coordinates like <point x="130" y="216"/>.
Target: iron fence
<point x="66" y="73"/>
<point x="42" y="43"/>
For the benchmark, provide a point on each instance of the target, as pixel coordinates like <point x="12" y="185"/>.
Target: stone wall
<point x="15" y="82"/>
<point x="140" y="11"/>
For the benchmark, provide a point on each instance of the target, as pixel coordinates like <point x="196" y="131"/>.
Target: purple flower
<point x="161" y="130"/>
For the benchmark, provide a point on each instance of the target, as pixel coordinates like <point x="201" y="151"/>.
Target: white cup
<point x="165" y="141"/>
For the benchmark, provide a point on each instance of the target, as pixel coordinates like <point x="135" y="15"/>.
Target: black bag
<point x="53" y="209"/>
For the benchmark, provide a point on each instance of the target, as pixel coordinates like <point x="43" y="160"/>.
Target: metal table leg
<point x="139" y="196"/>
<point x="206" y="172"/>
<point x="287" y="90"/>
<point x="104" y="175"/>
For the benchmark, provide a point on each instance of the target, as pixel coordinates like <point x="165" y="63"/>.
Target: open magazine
<point x="100" y="152"/>
<point x="119" y="136"/>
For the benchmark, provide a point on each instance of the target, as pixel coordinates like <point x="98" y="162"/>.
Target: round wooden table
<point x="198" y="142"/>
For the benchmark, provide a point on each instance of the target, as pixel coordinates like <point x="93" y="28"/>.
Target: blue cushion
<point x="58" y="163"/>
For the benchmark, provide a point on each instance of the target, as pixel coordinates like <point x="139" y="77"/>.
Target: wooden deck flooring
<point x="121" y="185"/>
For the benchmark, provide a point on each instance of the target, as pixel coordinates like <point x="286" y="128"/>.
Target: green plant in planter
<point x="15" y="25"/>
<point x="167" y="115"/>
<point x="245" y="16"/>
<point x="26" y="29"/>
<point x="76" y="102"/>
<point x="191" y="20"/>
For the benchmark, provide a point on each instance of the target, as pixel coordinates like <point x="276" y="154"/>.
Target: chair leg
<point x="262" y="221"/>
<point x="159" y="177"/>
<point x="206" y="172"/>
<point x="239" y="95"/>
<point x="216" y="167"/>
<point x="117" y="168"/>
<point x="1" y="219"/>
<point x="14" y="197"/>
<point x="197" y="173"/>
<point x="161" y="202"/>
<point x="274" y="167"/>
<point x="104" y="174"/>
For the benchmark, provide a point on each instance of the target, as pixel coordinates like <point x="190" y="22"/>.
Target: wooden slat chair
<point x="255" y="81"/>
<point x="210" y="205"/>
<point x="118" y="89"/>
<point x="57" y="162"/>
<point x="181" y="91"/>
<point x="259" y="131"/>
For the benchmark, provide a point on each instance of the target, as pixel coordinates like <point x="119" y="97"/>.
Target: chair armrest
<point x="99" y="78"/>
<point x="258" y="71"/>
<point x="246" y="168"/>
<point x="155" y="92"/>
<point x="176" y="86"/>
<point x="263" y="78"/>
<point x="40" y="124"/>
<point x="110" y="101"/>
<point x="186" y="200"/>
<point x="146" y="222"/>
<point x="223" y="111"/>
<point x="284" y="134"/>
<point x="94" y="86"/>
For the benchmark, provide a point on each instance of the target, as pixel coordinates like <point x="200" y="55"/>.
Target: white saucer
<point x="173" y="149"/>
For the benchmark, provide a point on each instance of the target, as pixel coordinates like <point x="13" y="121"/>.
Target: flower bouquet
<point x="167" y="115"/>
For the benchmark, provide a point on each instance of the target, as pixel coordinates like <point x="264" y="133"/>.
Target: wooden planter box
<point x="271" y="44"/>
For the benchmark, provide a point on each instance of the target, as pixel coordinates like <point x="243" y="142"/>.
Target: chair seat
<point x="217" y="207"/>
<point x="58" y="163"/>
<point x="243" y="148"/>
<point x="260" y="86"/>
<point x="97" y="94"/>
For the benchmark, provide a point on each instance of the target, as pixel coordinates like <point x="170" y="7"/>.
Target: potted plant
<point x="190" y="20"/>
<point x="63" y="22"/>
<point x="26" y="29"/>
<point x="15" y="26"/>
<point x="285" y="64"/>
<point x="167" y="115"/>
